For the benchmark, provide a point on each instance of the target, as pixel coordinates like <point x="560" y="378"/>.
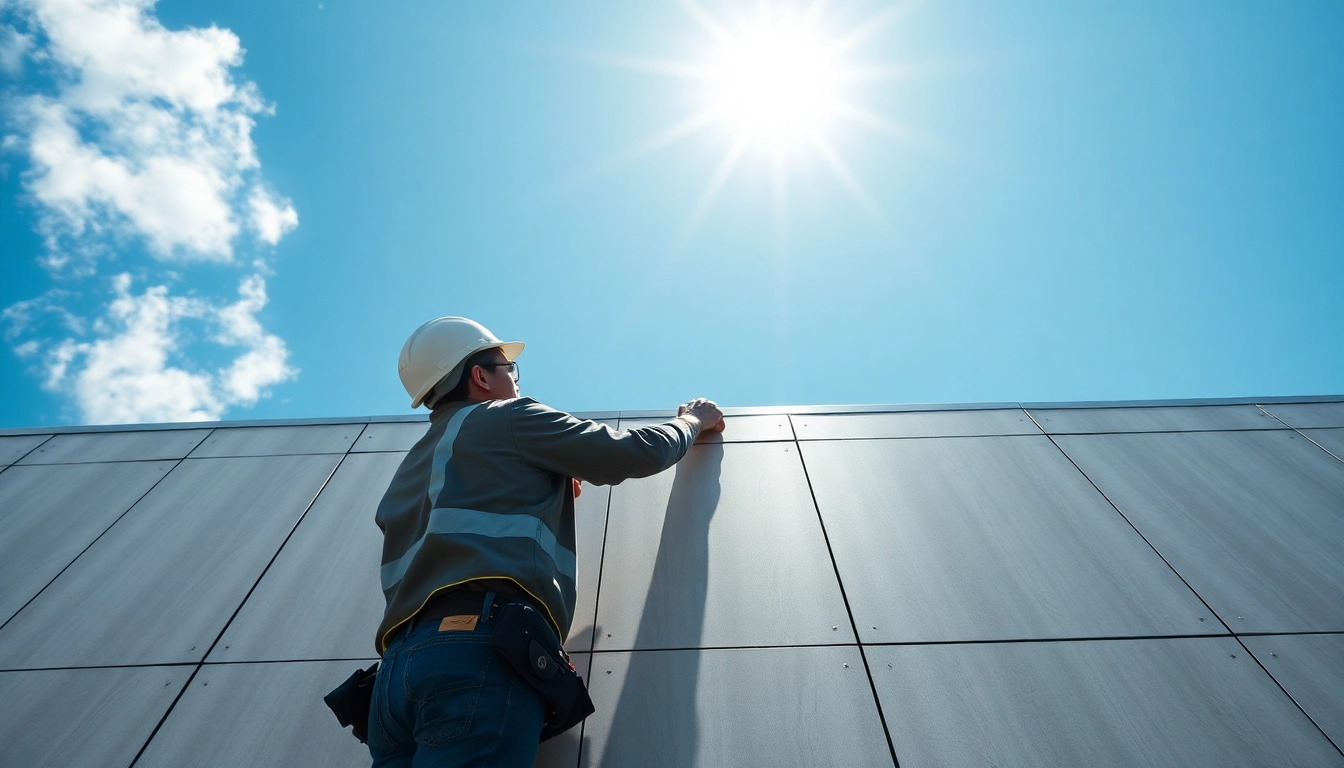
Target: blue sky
<point x="1042" y="203"/>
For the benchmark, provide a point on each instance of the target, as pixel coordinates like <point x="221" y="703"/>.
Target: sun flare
<point x="776" y="83"/>
<point x="776" y="80"/>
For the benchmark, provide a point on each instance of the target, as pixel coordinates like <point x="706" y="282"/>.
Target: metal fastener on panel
<point x="833" y="629"/>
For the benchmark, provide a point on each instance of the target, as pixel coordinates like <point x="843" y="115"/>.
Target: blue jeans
<point x="447" y="699"/>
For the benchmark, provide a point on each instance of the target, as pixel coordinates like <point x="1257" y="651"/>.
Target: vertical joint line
<point x="1125" y="517"/>
<point x="1297" y="431"/>
<point x="853" y="626"/>
<point x="201" y="664"/>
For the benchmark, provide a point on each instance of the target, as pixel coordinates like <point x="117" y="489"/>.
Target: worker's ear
<point x="478" y="376"/>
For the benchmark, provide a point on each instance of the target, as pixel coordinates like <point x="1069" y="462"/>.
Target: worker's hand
<point x="578" y="486"/>
<point x="706" y="412"/>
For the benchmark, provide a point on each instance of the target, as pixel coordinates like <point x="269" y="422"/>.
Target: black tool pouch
<point x="527" y="642"/>
<point x="351" y="699"/>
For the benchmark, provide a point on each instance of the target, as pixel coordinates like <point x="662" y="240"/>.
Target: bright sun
<point x="775" y="83"/>
<point x="777" y="80"/>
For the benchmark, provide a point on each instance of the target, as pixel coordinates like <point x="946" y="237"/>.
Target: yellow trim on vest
<point x="382" y="641"/>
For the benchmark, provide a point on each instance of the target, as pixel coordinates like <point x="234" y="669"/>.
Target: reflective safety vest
<point x="485" y="496"/>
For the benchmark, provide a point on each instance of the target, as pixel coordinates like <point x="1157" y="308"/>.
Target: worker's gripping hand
<point x="705" y="412"/>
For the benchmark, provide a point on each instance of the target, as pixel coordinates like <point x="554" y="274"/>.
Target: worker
<point x="478" y="566"/>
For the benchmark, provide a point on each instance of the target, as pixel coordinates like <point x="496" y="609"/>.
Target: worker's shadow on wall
<point x="655" y="720"/>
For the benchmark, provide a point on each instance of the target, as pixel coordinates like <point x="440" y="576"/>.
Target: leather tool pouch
<point x="524" y="639"/>
<point x="351" y="699"/>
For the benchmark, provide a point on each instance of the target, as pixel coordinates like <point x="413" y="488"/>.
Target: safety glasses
<point x="513" y="369"/>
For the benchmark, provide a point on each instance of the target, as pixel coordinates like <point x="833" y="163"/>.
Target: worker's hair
<point x="463" y="388"/>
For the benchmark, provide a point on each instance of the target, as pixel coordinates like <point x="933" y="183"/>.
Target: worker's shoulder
<point x="519" y="406"/>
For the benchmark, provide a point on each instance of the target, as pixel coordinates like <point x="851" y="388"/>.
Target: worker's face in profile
<point x="500" y="380"/>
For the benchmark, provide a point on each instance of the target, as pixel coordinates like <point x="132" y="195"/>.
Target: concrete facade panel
<point x="746" y="708"/>
<point x="1006" y="421"/>
<point x="1250" y="519"/>
<point x="50" y="514"/>
<point x="117" y="446"/>
<point x="987" y="538"/>
<point x="321" y="598"/>
<point x="278" y="441"/>
<point x="78" y="717"/>
<point x="1064" y="421"/>
<point x="390" y="436"/>
<point x="14" y="448"/>
<point x="1187" y="702"/>
<point x="160" y="586"/>
<point x="1308" y="415"/>
<point x="1311" y="669"/>
<point x="724" y="549"/>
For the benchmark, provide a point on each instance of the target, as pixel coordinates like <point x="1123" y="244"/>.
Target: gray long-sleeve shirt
<point x="485" y="496"/>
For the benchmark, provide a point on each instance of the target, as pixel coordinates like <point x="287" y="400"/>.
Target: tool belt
<point x="522" y="637"/>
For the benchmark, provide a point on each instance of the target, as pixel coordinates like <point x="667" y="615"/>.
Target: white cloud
<point x="270" y="219"/>
<point x="144" y="139"/>
<point x="134" y="368"/>
<point x="149" y="134"/>
<point x="14" y="45"/>
<point x="23" y="315"/>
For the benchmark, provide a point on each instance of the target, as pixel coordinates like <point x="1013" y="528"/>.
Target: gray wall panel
<point x="1331" y="440"/>
<point x="766" y="707"/>
<point x="83" y="717"/>
<point x="160" y="585"/>
<point x="390" y="436"/>
<point x="590" y="527"/>
<point x="258" y="714"/>
<point x="1012" y="421"/>
<point x="1307" y="415"/>
<point x="13" y="448"/>
<point x="117" y="446"/>
<point x="1250" y="519"/>
<point x="321" y="598"/>
<point x="272" y="441"/>
<point x="987" y="538"/>
<point x="1311" y="669"/>
<point x="739" y="429"/>
<point x="724" y="549"/>
<point x="50" y="514"/>
<point x="1174" y="419"/>
<point x="1169" y="702"/>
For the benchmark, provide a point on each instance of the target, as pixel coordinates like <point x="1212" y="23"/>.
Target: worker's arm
<point x="558" y="442"/>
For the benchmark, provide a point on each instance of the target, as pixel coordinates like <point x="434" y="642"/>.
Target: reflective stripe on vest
<point x="447" y="520"/>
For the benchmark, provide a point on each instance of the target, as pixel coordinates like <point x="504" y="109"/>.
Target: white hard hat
<point x="441" y="345"/>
